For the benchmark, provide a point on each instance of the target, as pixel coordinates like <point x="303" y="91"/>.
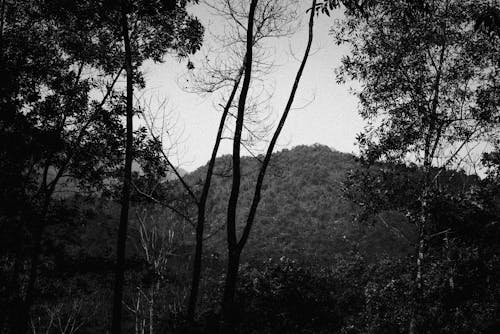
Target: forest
<point x="102" y="230"/>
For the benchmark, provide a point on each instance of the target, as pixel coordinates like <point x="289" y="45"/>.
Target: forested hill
<point x="303" y="214"/>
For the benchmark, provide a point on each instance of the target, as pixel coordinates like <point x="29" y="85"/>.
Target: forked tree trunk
<point x="235" y="246"/>
<point x="200" y="224"/>
<point x="233" y="251"/>
<point x="122" y="230"/>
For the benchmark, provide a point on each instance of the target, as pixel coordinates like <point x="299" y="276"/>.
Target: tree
<point x="222" y="72"/>
<point x="428" y="82"/>
<point x="56" y="56"/>
<point x="58" y="128"/>
<point x="199" y="200"/>
<point x="158" y="28"/>
<point x="235" y="244"/>
<point x="227" y="74"/>
<point x="127" y="179"/>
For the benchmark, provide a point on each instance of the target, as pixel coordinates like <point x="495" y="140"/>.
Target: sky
<point x="324" y="112"/>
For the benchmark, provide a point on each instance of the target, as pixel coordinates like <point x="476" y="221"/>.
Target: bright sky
<point x="328" y="115"/>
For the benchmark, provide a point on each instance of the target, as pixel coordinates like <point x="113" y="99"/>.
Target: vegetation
<point x="400" y="239"/>
<point x="429" y="83"/>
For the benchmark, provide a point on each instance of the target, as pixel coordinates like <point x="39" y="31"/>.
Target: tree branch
<point x="176" y="172"/>
<point x="157" y="201"/>
<point x="267" y="159"/>
<point x="235" y="188"/>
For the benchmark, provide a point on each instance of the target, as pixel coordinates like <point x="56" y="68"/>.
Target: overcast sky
<point x="328" y="115"/>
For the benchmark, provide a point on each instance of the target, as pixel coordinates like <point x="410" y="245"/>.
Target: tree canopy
<point x="429" y="79"/>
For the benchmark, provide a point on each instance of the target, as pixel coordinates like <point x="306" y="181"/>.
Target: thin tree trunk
<point x="451" y="280"/>
<point x="152" y="307"/>
<point x="417" y="295"/>
<point x="233" y="259"/>
<point x="39" y="228"/>
<point x="421" y="241"/>
<point x="200" y="225"/>
<point x="10" y="318"/>
<point x="229" y="312"/>
<point x="429" y="151"/>
<point x="197" y="263"/>
<point x="2" y="25"/>
<point x="122" y="230"/>
<point x="23" y="324"/>
<point x="235" y="247"/>
<point x="38" y="232"/>
<point x="137" y="324"/>
<point x="423" y="222"/>
<point x="277" y="132"/>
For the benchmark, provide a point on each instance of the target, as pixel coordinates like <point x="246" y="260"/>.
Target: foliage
<point x="428" y="78"/>
<point x="429" y="89"/>
<point x="355" y="296"/>
<point x="352" y="6"/>
<point x="62" y="110"/>
<point x="331" y="285"/>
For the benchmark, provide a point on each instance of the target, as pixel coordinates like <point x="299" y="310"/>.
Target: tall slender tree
<point x="223" y="72"/>
<point x="127" y="179"/>
<point x="429" y="88"/>
<point x="173" y="29"/>
<point x="159" y="27"/>
<point x="236" y="245"/>
<point x="202" y="202"/>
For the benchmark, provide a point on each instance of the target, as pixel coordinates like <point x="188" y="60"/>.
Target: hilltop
<point x="302" y="214"/>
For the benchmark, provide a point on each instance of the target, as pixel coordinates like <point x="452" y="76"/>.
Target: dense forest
<point x="101" y="231"/>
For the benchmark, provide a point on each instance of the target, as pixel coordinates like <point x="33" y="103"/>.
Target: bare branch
<point x="170" y="207"/>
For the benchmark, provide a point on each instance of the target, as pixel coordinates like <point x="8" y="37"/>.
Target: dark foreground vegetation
<point x="310" y="268"/>
<point x="101" y="233"/>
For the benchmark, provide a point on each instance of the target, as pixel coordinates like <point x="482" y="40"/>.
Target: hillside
<point x="302" y="214"/>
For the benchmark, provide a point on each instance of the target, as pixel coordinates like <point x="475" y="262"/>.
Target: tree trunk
<point x="152" y="307"/>
<point x="418" y="290"/>
<point x="10" y="319"/>
<point x="197" y="262"/>
<point x="233" y="249"/>
<point x="2" y="24"/>
<point x="422" y="225"/>
<point x="451" y="280"/>
<point x="122" y="230"/>
<point x="434" y="130"/>
<point x="421" y="243"/>
<point x="229" y="311"/>
<point x="24" y="316"/>
<point x="277" y="132"/>
<point x="137" y="314"/>
<point x="198" y="254"/>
